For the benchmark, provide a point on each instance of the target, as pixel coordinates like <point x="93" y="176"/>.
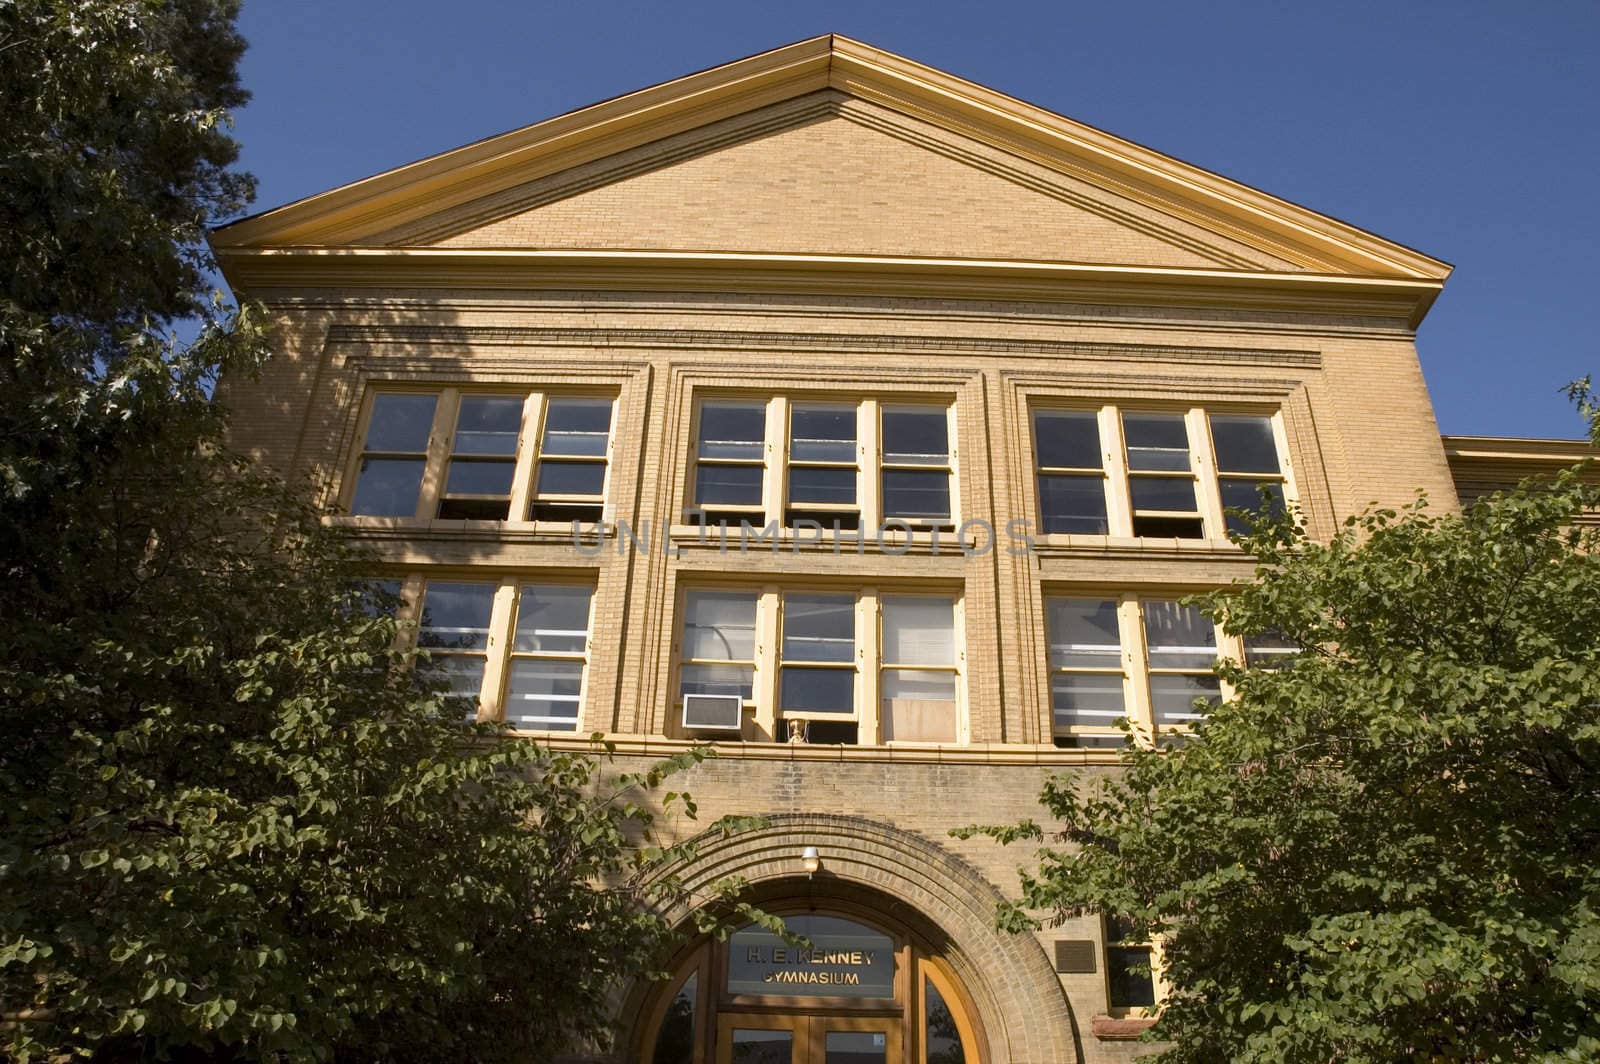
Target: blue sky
<point x="1468" y="130"/>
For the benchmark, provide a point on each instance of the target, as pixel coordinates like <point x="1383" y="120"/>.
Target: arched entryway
<point x="957" y="988"/>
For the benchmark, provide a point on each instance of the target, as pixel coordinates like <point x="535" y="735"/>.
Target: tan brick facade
<point x="801" y="227"/>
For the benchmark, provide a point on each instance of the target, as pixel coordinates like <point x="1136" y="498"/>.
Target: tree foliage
<point x="235" y="822"/>
<point x="1390" y="848"/>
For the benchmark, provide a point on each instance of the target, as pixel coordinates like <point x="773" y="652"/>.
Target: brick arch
<point x="933" y="892"/>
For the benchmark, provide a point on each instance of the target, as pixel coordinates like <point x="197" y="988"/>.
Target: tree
<point x="235" y="820"/>
<point x="1390" y="848"/>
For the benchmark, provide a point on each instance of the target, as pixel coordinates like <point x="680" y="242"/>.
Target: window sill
<point x="411" y="528"/>
<point x="1135" y="545"/>
<point x="1121" y="1028"/>
<point x="892" y="542"/>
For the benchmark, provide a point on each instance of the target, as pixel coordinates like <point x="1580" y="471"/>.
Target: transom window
<point x="515" y="650"/>
<point x="837" y="667"/>
<point x="1163" y="474"/>
<point x="482" y="456"/>
<point x="838" y="465"/>
<point x="1144" y="659"/>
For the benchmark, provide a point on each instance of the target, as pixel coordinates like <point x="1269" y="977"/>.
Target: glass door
<point x="796" y="1039"/>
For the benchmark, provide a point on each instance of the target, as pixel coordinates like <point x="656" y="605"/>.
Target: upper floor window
<point x="482" y="456"/>
<point x="1166" y="474"/>
<point x="1148" y="660"/>
<point x="835" y="668"/>
<point x="845" y="465"/>
<point x="517" y="650"/>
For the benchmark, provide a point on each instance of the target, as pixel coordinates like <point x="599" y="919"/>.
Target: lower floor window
<point x="826" y="666"/>
<point x="1148" y="660"/>
<point x="1130" y="975"/>
<point x="514" y="649"/>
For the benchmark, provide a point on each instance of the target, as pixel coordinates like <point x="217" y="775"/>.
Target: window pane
<point x="1086" y="699"/>
<point x="488" y="424"/>
<point x="822" y="434"/>
<point x="1067" y="439"/>
<point x="1163" y="493"/>
<point x="387" y="487"/>
<point x="675" y="1042"/>
<point x="1240" y="494"/>
<point x="1073" y="504"/>
<point x="1244" y="444"/>
<point x="719" y="626"/>
<point x="1179" y="637"/>
<point x="918" y="705"/>
<point x="919" y="630"/>
<point x="1083" y="634"/>
<point x="552" y="619"/>
<point x="378" y="598"/>
<point x="571" y="478"/>
<point x="1172" y="698"/>
<point x="577" y="427"/>
<point x="728" y="485"/>
<point x="1156" y="441"/>
<point x="817" y="690"/>
<point x="1269" y="650"/>
<point x="462" y="674"/>
<point x="916" y="435"/>
<point x="837" y="486"/>
<point x="914" y="493"/>
<point x="717" y="680"/>
<point x="400" y="422"/>
<point x="544" y="693"/>
<point x="1128" y="972"/>
<point x="468" y="477"/>
<point x="819" y="628"/>
<point x="754" y="1046"/>
<point x="856" y="1047"/>
<point x="456" y="616"/>
<point x="732" y="430"/>
<point x="941" y="1038"/>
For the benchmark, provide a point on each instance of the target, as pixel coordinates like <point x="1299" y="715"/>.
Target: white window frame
<point x="441" y="443"/>
<point x="776" y="461"/>
<point x="763" y="708"/>
<point x="1136" y="668"/>
<point x="1117" y="477"/>
<point x="500" y="651"/>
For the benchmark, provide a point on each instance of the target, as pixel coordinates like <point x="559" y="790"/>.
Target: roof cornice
<point x="255" y="269"/>
<point x="343" y="216"/>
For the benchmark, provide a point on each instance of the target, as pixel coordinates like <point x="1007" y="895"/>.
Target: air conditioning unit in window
<point x="712" y="712"/>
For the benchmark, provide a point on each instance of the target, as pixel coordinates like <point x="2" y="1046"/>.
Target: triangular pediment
<point x="830" y="174"/>
<point x="829" y="148"/>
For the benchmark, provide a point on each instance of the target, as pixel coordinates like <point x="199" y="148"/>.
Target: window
<point x="833" y="668"/>
<point x="1169" y="474"/>
<point x="1146" y="660"/>
<point x="516" y="649"/>
<point x="1130" y="979"/>
<point x="837" y="465"/>
<point x="471" y="456"/>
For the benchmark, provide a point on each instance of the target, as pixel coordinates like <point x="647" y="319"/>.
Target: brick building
<point x="892" y="416"/>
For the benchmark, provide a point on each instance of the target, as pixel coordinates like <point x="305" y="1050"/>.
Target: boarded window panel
<point x="918" y="705"/>
<point x="1244" y="444"/>
<point x="719" y="626"/>
<point x="552" y="619"/>
<point x="732" y="430"/>
<point x="1072" y="504"/>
